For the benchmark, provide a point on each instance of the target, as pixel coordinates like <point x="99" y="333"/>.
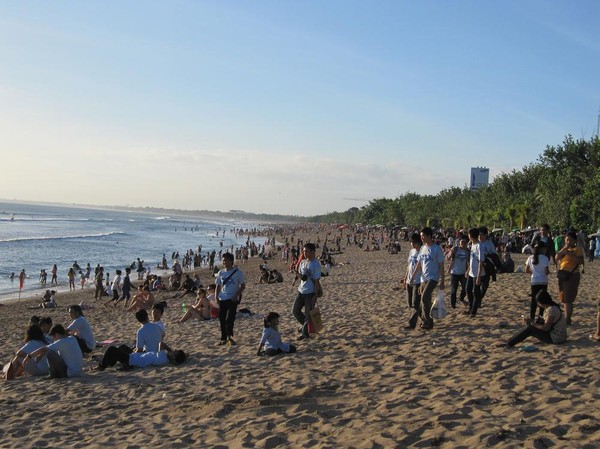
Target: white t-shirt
<point x="459" y="265"/>
<point x="40" y="366"/>
<point x="84" y="331"/>
<point x="412" y="263"/>
<point x="539" y="271"/>
<point x="148" y="337"/>
<point x="477" y="255"/>
<point x="430" y="258"/>
<point x="70" y="352"/>
<point x="271" y="338"/>
<point x="312" y="269"/>
<point x="143" y="359"/>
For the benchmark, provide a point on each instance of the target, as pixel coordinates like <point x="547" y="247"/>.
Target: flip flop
<point x="593" y="337"/>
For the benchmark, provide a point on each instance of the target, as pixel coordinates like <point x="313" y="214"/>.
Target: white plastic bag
<point x="438" y="308"/>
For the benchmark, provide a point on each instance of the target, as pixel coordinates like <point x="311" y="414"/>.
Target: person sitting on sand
<point x="157" y="312"/>
<point x="143" y="300"/>
<point x="270" y="341"/>
<point x="81" y="329"/>
<point x="34" y="339"/>
<point x="149" y="335"/>
<point x="200" y="310"/>
<point x="275" y="277"/>
<point x="212" y="300"/>
<point x="46" y="324"/>
<point x="64" y="355"/>
<point x="263" y="276"/>
<point x="188" y="287"/>
<point x="553" y="329"/>
<point x="49" y="303"/>
<point x="129" y="359"/>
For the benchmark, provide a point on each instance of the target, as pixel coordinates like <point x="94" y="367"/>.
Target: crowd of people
<point x="470" y="259"/>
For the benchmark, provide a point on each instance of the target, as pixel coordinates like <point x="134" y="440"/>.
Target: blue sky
<point x="291" y="107"/>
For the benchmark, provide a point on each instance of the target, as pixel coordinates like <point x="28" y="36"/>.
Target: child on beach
<point x="271" y="338"/>
<point x="537" y="265"/>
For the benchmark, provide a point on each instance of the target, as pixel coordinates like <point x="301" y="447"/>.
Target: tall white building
<point x="480" y="176"/>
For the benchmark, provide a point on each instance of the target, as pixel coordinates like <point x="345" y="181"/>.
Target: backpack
<point x="492" y="264"/>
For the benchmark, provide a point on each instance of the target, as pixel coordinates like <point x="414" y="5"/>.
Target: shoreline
<point x="364" y="382"/>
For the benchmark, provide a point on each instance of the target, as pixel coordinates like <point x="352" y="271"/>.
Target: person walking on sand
<point x="126" y="288"/>
<point x="412" y="281"/>
<point x="230" y="283"/>
<point x="475" y="273"/>
<point x="431" y="261"/>
<point x="309" y="272"/>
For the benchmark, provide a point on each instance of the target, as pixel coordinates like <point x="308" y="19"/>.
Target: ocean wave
<point x="61" y="237"/>
<point x="16" y="219"/>
<point x="162" y="218"/>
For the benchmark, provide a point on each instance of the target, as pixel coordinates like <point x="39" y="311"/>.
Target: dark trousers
<point x="303" y="301"/>
<point x="474" y="295"/>
<point x="227" y="311"/>
<point x="83" y="345"/>
<point x="413" y="298"/>
<point x="455" y="281"/>
<point x="485" y="283"/>
<point x="530" y="331"/>
<point x="427" y="289"/>
<point x="99" y="291"/>
<point x="56" y="365"/>
<point x="535" y="289"/>
<point x="413" y="292"/>
<point x="114" y="354"/>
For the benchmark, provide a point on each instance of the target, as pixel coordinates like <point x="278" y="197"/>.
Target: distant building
<point x="480" y="176"/>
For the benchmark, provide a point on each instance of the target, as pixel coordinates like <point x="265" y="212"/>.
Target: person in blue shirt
<point x="431" y="261"/>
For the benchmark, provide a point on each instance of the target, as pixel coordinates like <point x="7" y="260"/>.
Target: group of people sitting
<point x="58" y="352"/>
<point x="267" y="276"/>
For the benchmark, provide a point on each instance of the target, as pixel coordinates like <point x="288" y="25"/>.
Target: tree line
<point x="562" y="188"/>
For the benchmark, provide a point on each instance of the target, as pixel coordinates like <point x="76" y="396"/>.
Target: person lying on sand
<point x="123" y="354"/>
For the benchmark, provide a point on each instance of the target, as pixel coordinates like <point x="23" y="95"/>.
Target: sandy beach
<point x="364" y="382"/>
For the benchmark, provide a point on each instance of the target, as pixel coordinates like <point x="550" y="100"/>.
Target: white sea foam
<point x="61" y="237"/>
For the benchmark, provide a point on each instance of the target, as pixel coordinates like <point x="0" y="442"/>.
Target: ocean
<point x="34" y="237"/>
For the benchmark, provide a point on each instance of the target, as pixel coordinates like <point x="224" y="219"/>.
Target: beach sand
<point x="364" y="382"/>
